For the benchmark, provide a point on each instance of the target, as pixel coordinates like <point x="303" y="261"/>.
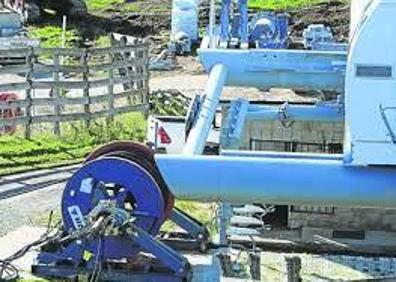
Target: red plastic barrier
<point x="9" y="113"/>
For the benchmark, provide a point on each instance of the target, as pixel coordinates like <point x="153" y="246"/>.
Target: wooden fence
<point x="72" y="84"/>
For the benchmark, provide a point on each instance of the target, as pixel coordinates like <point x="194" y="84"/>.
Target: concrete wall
<point x="315" y="132"/>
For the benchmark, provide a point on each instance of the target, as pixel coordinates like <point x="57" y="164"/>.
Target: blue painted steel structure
<point x="201" y="127"/>
<point x="240" y="112"/>
<point x="264" y="68"/>
<point x="269" y="31"/>
<point x="278" y="180"/>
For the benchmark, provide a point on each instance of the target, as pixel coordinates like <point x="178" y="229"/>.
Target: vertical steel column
<point x="212" y="24"/>
<point x="199" y="133"/>
<point x="225" y="214"/>
<point x="225" y="23"/>
<point x="243" y="11"/>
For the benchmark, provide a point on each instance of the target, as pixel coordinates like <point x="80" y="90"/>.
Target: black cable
<point x="98" y="262"/>
<point x="9" y="272"/>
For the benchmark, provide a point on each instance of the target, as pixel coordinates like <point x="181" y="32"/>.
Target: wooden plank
<point x="117" y="49"/>
<point x="53" y="52"/>
<point x="71" y="117"/>
<point x="15" y="52"/>
<point x="85" y="68"/>
<point x="63" y="101"/>
<point x="117" y="65"/>
<point x="87" y="108"/>
<point x="15" y="104"/>
<point x="15" y="121"/>
<point x="64" y="69"/>
<point x="29" y="97"/>
<point x="14" y="69"/>
<point x="56" y="91"/>
<point x="17" y="86"/>
<point x="68" y="85"/>
<point x="110" y="88"/>
<point x="131" y="93"/>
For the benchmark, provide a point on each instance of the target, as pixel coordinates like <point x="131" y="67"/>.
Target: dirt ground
<point x="335" y="14"/>
<point x="154" y="25"/>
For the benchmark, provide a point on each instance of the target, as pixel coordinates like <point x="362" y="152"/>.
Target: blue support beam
<point x="189" y="224"/>
<point x="284" y="180"/>
<point x="322" y="112"/>
<point x="225" y="23"/>
<point x="264" y="68"/>
<point x="167" y="256"/>
<point x="244" y="23"/>
<point x="201" y="128"/>
<point x="241" y="111"/>
<point x="234" y="124"/>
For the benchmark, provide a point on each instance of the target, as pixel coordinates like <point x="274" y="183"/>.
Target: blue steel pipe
<point x="281" y="155"/>
<point x="278" y="181"/>
<point x="200" y="131"/>
<point x="320" y="112"/>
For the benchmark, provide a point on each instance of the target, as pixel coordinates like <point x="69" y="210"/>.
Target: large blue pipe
<point x="278" y="181"/>
<point x="200" y="131"/>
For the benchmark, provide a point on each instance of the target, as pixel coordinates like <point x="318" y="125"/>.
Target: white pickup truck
<point x="167" y="134"/>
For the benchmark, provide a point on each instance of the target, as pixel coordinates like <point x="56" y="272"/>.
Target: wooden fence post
<point x="146" y="72"/>
<point x="29" y="79"/>
<point x="87" y="108"/>
<point x="56" y="94"/>
<point x="110" y="87"/>
<point x="127" y="57"/>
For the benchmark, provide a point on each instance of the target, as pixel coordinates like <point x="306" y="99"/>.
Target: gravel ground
<point x="191" y="85"/>
<point x="26" y="208"/>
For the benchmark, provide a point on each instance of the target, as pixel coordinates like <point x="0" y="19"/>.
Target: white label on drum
<point x="76" y="216"/>
<point x="86" y="185"/>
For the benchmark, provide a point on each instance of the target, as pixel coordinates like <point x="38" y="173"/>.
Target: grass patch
<point x="47" y="150"/>
<point x="51" y="36"/>
<point x="120" y="5"/>
<point x="203" y="212"/>
<point x="283" y="4"/>
<point x="102" y="4"/>
<point x="97" y="5"/>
